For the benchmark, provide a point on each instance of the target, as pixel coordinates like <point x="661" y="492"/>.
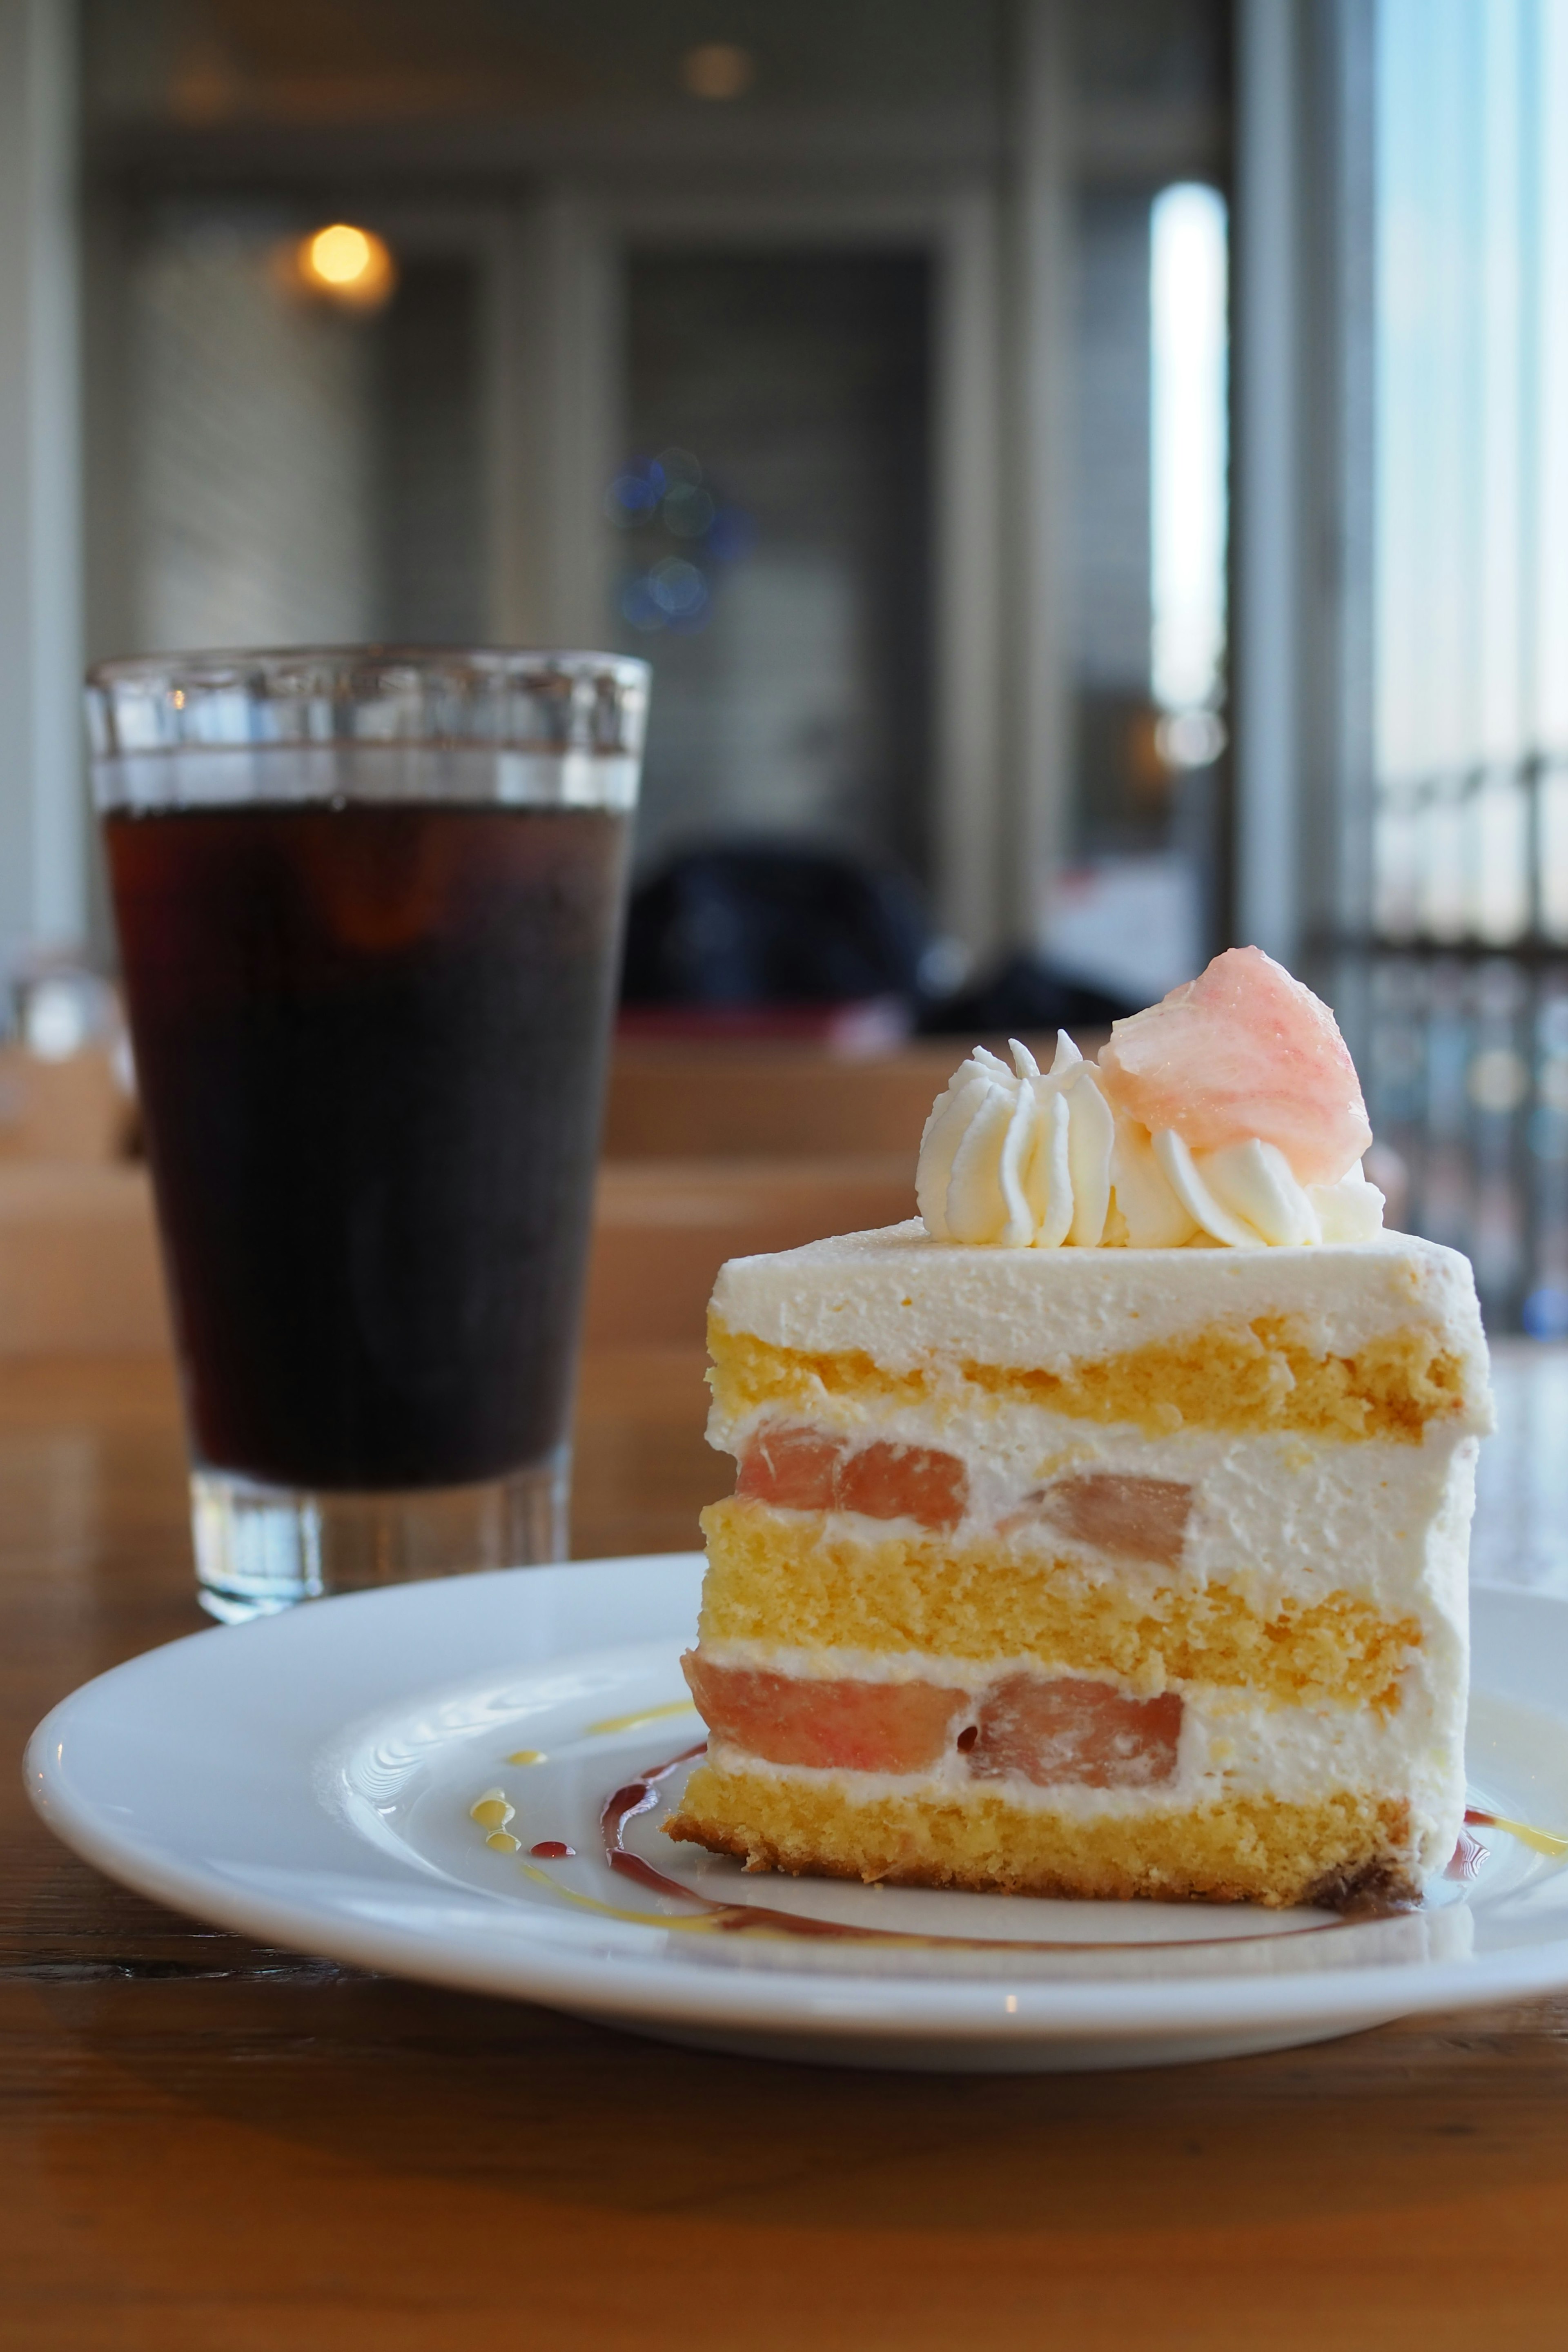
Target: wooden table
<point x="210" y="2146"/>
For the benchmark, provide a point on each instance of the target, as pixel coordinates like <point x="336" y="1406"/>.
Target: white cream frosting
<point x="912" y="1303"/>
<point x="1023" y="1158"/>
<point x="1017" y="1159"/>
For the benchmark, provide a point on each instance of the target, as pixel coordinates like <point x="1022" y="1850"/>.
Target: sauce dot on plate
<point x="491" y="1811"/>
<point x="553" y="1850"/>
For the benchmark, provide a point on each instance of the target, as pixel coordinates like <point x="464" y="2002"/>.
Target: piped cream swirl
<point x="1017" y="1158"/>
<point x="1025" y="1158"/>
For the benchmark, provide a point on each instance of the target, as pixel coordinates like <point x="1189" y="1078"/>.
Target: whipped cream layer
<point x="1276" y="1518"/>
<point x="909" y="1302"/>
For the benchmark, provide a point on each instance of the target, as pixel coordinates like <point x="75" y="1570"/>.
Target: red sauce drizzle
<point x="641" y="1795"/>
<point x="552" y="1850"/>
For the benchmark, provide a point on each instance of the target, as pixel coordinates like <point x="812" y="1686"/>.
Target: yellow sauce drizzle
<point x="503" y="1841"/>
<point x="1542" y="1840"/>
<point x="491" y="1811"/>
<point x="643" y="1715"/>
<point x="702" y="1926"/>
<point x="712" y="1924"/>
<point x="527" y="1755"/>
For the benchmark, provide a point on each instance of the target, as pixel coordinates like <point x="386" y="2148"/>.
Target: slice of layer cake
<point x="1066" y="1565"/>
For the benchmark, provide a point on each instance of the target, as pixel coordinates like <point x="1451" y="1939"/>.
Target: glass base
<point x="261" y="1548"/>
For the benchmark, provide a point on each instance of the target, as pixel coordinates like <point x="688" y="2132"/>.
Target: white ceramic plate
<point x="308" y="1780"/>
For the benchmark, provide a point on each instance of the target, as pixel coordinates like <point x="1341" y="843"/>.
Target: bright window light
<point x="1188" y="360"/>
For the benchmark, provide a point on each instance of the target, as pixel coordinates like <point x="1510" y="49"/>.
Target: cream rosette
<point x="1025" y="1158"/>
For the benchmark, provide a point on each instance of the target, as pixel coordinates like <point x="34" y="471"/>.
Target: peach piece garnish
<point x="905" y="1482"/>
<point x="1142" y="1518"/>
<point x="791" y="1466"/>
<point x="845" y="1727"/>
<point x="1086" y="1735"/>
<point x="1242" y="1051"/>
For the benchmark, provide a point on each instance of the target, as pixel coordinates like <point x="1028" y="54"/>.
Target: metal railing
<point x="1465" y="1023"/>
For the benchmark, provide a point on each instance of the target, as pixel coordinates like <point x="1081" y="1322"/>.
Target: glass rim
<point x="368" y="722"/>
<point x="226" y="668"/>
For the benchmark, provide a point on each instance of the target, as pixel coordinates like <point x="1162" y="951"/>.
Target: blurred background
<point x="1091" y="477"/>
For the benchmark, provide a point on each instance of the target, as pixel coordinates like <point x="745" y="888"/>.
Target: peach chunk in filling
<point x="905" y="1482"/>
<point x="845" y="1727"/>
<point x="1089" y="1734"/>
<point x="803" y="1469"/>
<point x="790" y="1466"/>
<point x="1142" y="1519"/>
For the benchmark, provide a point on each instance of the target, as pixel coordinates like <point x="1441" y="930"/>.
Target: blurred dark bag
<point x="1021" y="996"/>
<point x="768" y="925"/>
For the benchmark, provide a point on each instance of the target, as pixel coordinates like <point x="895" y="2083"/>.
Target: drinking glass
<point x="369" y="905"/>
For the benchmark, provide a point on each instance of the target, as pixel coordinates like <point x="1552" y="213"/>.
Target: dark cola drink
<point x="370" y="1042"/>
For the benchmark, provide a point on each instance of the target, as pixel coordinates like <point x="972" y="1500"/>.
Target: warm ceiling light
<point x="350" y="264"/>
<point x="341" y="254"/>
<point x="718" y="69"/>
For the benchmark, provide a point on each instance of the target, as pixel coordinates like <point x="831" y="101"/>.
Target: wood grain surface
<point x="79" y="1251"/>
<point x="206" y="2146"/>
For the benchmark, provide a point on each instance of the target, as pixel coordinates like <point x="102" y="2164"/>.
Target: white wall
<point x="43" y="825"/>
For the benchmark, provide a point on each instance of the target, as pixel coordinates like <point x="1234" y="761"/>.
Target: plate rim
<point x="665" y="1991"/>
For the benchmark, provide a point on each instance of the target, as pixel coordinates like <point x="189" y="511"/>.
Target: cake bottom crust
<point x="1346" y="1849"/>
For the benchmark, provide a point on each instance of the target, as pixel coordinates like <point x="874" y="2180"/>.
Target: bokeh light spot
<point x="348" y="265"/>
<point x="718" y="69"/>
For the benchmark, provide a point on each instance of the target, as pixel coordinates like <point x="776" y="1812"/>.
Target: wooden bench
<point x="768" y="1100"/>
<point x="79" y="1272"/>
